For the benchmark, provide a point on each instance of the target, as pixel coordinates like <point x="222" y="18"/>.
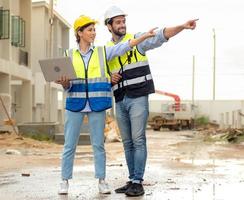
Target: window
<point x="18" y="31"/>
<point x="22" y="33"/>
<point x="4" y="24"/>
<point x="15" y="30"/>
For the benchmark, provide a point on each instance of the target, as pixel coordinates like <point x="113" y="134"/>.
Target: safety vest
<point x="92" y="84"/>
<point x="136" y="76"/>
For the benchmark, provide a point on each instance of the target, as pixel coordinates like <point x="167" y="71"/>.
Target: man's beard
<point x="118" y="33"/>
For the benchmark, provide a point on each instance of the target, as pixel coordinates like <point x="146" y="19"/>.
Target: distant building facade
<point x="47" y="98"/>
<point x="24" y="39"/>
<point x="15" y="57"/>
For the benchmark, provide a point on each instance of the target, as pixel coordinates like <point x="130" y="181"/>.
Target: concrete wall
<point x="5" y="83"/>
<point x="4" y="3"/>
<point x="38" y="32"/>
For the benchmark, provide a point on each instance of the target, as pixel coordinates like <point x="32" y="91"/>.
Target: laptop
<point x="54" y="68"/>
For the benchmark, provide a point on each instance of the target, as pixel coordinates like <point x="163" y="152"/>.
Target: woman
<point x="89" y="95"/>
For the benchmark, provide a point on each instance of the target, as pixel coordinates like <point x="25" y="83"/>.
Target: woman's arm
<point x="136" y="41"/>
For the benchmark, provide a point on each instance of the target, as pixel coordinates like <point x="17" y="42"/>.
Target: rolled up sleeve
<point x="117" y="50"/>
<point x="152" y="42"/>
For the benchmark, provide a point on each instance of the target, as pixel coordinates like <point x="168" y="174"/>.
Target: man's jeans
<point x="132" y="114"/>
<point x="73" y="122"/>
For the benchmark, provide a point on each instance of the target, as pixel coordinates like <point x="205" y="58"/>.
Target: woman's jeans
<point x="132" y="115"/>
<point x="73" y="122"/>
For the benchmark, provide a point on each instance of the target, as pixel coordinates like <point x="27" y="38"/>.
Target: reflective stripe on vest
<point x="91" y="94"/>
<point x="101" y="62"/>
<point x="132" y="66"/>
<point x="76" y="95"/>
<point x="133" y="81"/>
<point x="90" y="80"/>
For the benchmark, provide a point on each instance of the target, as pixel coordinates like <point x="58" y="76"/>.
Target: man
<point x="132" y="83"/>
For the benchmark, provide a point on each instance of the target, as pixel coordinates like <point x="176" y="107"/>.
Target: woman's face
<point x="88" y="34"/>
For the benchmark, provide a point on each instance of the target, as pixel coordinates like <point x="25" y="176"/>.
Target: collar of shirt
<point x="86" y="56"/>
<point x="91" y="48"/>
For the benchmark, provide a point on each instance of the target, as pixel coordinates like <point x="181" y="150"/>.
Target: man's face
<point x="118" y="26"/>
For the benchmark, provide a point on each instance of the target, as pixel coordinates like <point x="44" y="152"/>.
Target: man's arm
<point x="163" y="35"/>
<point x="172" y="31"/>
<point x="122" y="47"/>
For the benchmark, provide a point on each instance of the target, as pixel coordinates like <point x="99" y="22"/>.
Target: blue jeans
<point x="73" y="122"/>
<point x="132" y="114"/>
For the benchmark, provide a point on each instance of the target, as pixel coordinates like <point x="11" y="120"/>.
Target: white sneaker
<point x="103" y="187"/>
<point x="64" y="187"/>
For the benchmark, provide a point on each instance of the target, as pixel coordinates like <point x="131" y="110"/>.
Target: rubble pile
<point x="231" y="135"/>
<point x="111" y="131"/>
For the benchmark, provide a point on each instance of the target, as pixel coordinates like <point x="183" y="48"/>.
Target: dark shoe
<point x="124" y="188"/>
<point x="136" y="189"/>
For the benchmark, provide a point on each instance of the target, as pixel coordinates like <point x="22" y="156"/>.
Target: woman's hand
<point x="64" y="81"/>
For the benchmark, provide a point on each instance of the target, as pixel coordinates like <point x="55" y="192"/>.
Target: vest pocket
<point x="100" y="103"/>
<point x="75" y="104"/>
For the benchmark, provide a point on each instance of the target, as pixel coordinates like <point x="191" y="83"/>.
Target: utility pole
<point x="51" y="16"/>
<point x="193" y="90"/>
<point x="214" y="62"/>
<point x="193" y="80"/>
<point x="50" y="48"/>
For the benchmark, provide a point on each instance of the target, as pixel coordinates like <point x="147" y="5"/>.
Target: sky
<point x="172" y="63"/>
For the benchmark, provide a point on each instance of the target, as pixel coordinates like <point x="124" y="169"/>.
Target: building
<point x="47" y="98"/>
<point x="24" y="39"/>
<point x="15" y="56"/>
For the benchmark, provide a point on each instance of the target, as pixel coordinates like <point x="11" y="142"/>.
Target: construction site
<point x="195" y="147"/>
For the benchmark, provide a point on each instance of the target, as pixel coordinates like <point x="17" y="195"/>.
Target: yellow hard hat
<point x="82" y="21"/>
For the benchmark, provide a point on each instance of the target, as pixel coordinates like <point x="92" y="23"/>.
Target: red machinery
<point x="176" y="98"/>
<point x="178" y="117"/>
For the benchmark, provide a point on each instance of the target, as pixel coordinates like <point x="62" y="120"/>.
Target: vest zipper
<point x="86" y="70"/>
<point x="86" y="83"/>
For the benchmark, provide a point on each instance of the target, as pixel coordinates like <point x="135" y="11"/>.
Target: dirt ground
<point x="179" y="166"/>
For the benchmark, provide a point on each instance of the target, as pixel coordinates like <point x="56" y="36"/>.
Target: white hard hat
<point x="111" y="12"/>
